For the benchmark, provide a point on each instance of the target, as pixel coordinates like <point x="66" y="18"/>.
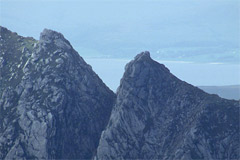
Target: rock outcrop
<point x="158" y="116"/>
<point x="52" y="104"/>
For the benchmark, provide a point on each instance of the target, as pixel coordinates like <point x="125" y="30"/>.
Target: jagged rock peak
<point x="144" y="59"/>
<point x="52" y="104"/>
<point x="50" y="36"/>
<point x="3" y="29"/>
<point x="143" y="56"/>
<point x="158" y="116"/>
<point x="143" y="66"/>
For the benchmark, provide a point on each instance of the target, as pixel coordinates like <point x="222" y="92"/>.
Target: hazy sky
<point x="121" y="27"/>
<point x="128" y="25"/>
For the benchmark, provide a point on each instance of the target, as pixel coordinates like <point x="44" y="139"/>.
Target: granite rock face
<point x="158" y="116"/>
<point x="52" y="104"/>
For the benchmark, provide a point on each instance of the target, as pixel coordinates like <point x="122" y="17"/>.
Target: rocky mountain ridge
<point x="158" y="116"/>
<point x="53" y="106"/>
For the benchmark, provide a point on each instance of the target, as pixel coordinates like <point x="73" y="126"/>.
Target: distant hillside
<point x="228" y="92"/>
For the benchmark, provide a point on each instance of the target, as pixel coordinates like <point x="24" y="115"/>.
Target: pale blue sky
<point x="179" y="30"/>
<point x="126" y="27"/>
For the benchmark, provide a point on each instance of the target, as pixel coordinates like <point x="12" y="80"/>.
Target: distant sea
<point x="198" y="74"/>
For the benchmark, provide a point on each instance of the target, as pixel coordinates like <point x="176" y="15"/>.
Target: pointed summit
<point x="144" y="69"/>
<point x="143" y="56"/>
<point x="55" y="106"/>
<point x="49" y="36"/>
<point x="158" y="116"/>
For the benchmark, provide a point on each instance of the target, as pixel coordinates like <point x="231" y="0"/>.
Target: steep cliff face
<point x="52" y="105"/>
<point x="158" y="116"/>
